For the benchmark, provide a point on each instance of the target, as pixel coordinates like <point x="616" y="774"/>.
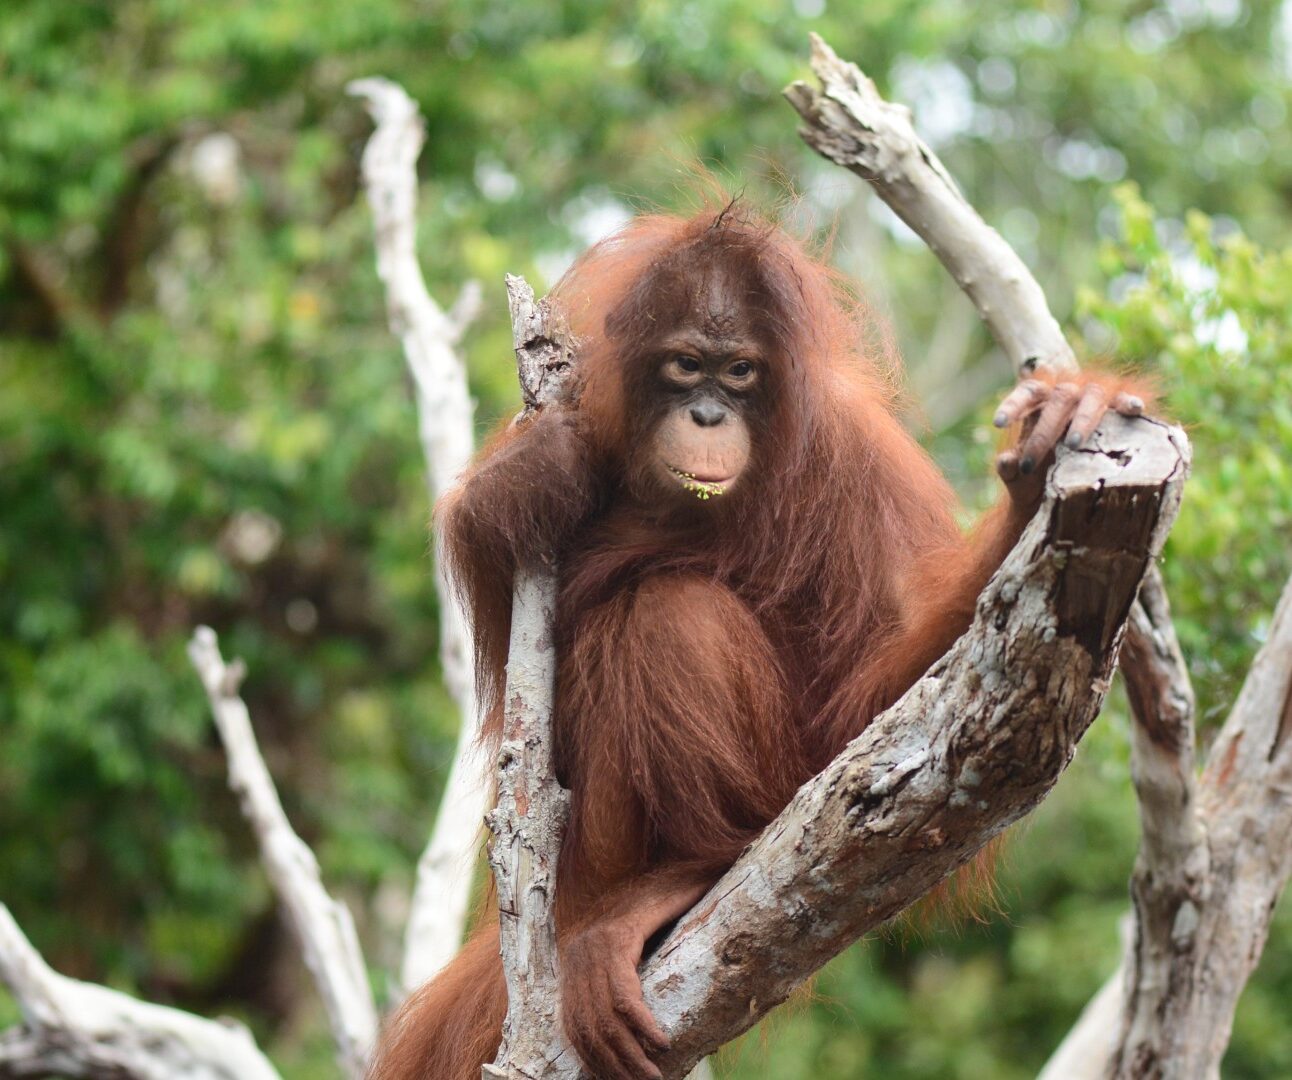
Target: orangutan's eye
<point x="682" y="369"/>
<point x="741" y="368"/>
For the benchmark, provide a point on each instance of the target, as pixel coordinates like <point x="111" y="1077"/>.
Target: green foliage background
<point x="204" y="419"/>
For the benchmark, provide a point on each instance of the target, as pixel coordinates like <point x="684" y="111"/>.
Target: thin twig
<point x="324" y="927"/>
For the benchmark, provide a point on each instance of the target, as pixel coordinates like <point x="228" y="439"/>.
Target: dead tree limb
<point x="1173" y="863"/>
<point x="1214" y="860"/>
<point x="1172" y="872"/>
<point x="445" y="414"/>
<point x="74" y="1028"/>
<point x="847" y="121"/>
<point x="323" y="926"/>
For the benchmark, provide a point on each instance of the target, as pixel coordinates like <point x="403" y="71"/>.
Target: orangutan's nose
<point x="708" y="413"/>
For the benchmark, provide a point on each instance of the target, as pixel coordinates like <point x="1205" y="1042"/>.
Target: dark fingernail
<point x="1000" y="419"/>
<point x="1026" y="466"/>
<point x="1073" y="440"/>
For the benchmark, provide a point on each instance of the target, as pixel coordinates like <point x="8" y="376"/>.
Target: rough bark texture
<point x="1172" y="875"/>
<point x="529" y="821"/>
<point x="445" y="420"/>
<point x="1173" y="865"/>
<point x="323" y="926"/>
<point x="1247" y="818"/>
<point x="72" y="1028"/>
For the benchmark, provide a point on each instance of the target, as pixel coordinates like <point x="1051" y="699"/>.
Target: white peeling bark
<point x="529" y="821"/>
<point x="974" y="745"/>
<point x="73" y="1028"/>
<point x="849" y="123"/>
<point x="323" y="927"/>
<point x="445" y="414"/>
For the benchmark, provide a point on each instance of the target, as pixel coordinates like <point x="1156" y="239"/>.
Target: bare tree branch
<point x="1162" y="738"/>
<point x="323" y="926"/>
<point x="529" y="821"/>
<point x="847" y="122"/>
<point x="445" y="408"/>
<point x="438" y="911"/>
<point x="73" y="1028"/>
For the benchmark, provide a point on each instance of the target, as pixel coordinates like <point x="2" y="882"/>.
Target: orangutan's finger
<point x="1007" y="466"/>
<point x="627" y="1047"/>
<point x="1024" y="398"/>
<point x="1090" y="410"/>
<point x="1050" y="425"/>
<point x="1128" y="404"/>
<point x="626" y="996"/>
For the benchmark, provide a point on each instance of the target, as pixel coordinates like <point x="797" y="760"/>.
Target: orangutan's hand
<point x="605" y="1016"/>
<point x="1050" y="412"/>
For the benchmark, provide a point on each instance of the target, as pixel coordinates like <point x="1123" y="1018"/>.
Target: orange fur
<point x="712" y="662"/>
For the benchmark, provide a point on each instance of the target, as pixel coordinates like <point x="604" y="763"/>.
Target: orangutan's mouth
<point x="702" y="487"/>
